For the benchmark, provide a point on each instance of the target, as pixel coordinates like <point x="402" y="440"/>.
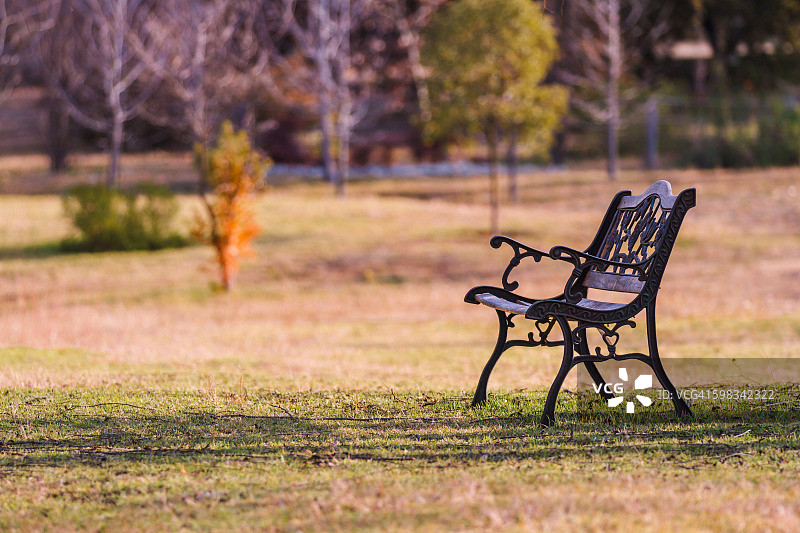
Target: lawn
<point x="331" y="390"/>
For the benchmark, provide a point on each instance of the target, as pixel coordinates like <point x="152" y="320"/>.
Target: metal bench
<point x="629" y="254"/>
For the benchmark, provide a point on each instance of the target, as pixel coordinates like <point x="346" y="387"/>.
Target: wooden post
<point x="651" y="137"/>
<point x="612" y="95"/>
<point x="58" y="140"/>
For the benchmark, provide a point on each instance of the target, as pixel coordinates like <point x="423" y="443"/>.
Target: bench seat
<point x="517" y="308"/>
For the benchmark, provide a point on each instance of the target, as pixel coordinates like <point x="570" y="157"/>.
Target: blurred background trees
<point x="89" y="59"/>
<point x="341" y="82"/>
<point x="9" y="57"/>
<point x="605" y="43"/>
<point x="206" y="72"/>
<point x="336" y="55"/>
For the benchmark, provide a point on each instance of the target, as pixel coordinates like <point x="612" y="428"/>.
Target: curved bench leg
<point x="652" y="343"/>
<point x="499" y="348"/>
<point x="549" y="416"/>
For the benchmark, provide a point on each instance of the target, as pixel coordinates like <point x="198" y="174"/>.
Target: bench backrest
<point x="638" y="229"/>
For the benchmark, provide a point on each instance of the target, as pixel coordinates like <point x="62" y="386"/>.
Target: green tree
<point x="487" y="60"/>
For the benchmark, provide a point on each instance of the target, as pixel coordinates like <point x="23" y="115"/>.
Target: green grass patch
<point x="261" y="459"/>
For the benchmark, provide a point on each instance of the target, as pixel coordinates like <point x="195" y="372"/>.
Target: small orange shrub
<point x="235" y="172"/>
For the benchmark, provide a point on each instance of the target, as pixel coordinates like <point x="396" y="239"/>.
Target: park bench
<point x="629" y="255"/>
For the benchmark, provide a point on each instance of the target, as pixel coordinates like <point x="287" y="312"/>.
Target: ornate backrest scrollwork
<point x="634" y="236"/>
<point x="635" y="232"/>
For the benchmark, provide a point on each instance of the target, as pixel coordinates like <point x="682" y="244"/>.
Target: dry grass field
<point x="331" y="391"/>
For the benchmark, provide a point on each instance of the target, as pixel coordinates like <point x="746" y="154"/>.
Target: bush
<point x="236" y="173"/>
<point x="756" y="132"/>
<point x="108" y="219"/>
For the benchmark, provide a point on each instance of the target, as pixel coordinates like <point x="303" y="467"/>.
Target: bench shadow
<point x="417" y="441"/>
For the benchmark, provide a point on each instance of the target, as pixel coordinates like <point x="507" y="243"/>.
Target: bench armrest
<point x="583" y="262"/>
<point x="521" y="251"/>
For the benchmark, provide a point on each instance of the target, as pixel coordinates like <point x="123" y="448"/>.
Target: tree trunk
<point x="204" y="145"/>
<point x="417" y="68"/>
<point x="700" y="66"/>
<point x="651" y="150"/>
<point x="344" y="150"/>
<point x="326" y="128"/>
<point x="227" y="267"/>
<point x="57" y="134"/>
<point x="612" y="96"/>
<point x="494" y="184"/>
<point x="513" y="165"/>
<point x="325" y="83"/>
<point x="557" y="149"/>
<point x="116" y="149"/>
<point x="345" y="102"/>
<point x="115" y="90"/>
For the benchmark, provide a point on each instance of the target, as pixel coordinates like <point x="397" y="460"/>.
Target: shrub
<point x="755" y="132"/>
<point x="235" y="172"/>
<point x="107" y="219"/>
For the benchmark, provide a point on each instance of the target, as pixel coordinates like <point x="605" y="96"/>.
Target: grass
<point x="342" y="460"/>
<point x="331" y="392"/>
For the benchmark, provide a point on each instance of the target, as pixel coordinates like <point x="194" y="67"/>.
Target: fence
<point x="731" y="132"/>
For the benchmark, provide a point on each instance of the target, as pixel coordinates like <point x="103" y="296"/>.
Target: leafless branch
<point x="90" y="63"/>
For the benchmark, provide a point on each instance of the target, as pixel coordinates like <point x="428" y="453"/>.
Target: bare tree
<point x="50" y="25"/>
<point x="91" y="62"/>
<point x="207" y="69"/>
<point x="20" y="22"/>
<point x="8" y="55"/>
<point x="23" y="24"/>
<point x="321" y="34"/>
<point x="410" y="23"/>
<point x="605" y="40"/>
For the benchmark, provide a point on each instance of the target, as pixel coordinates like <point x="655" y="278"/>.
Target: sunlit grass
<point x="331" y="391"/>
